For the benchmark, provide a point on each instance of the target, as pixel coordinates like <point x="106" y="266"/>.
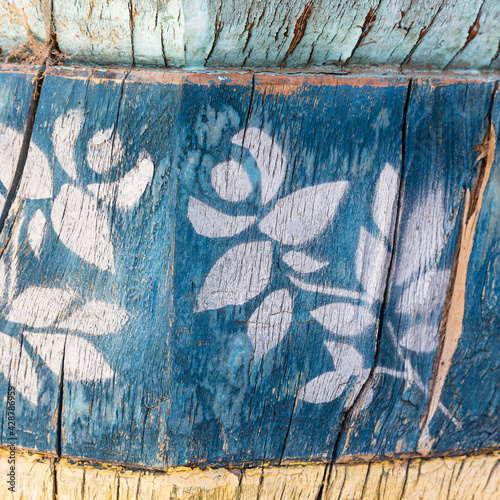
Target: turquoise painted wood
<point x="454" y="34"/>
<point x="236" y="268"/>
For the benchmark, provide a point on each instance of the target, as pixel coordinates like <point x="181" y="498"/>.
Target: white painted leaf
<point x="104" y="151"/>
<point x="372" y="263"/>
<point x="423" y="237"/>
<point x="344" y="319"/>
<point x="36" y="231"/>
<point x="421" y="337"/>
<point x="214" y="224"/>
<point x="384" y="199"/>
<point x="36" y="182"/>
<point x="40" y="307"/>
<point x="2" y="202"/>
<point x="67" y="128"/>
<point x="268" y="156"/>
<point x="231" y="181"/>
<point x="303" y="215"/>
<point x="18" y="368"/>
<point x="10" y="146"/>
<point x="82" y="361"/>
<point x="270" y="322"/>
<point x="133" y="184"/>
<point x="97" y="318"/>
<point x="3" y="281"/>
<point x="82" y="227"/>
<point x="303" y="263"/>
<point x="330" y="385"/>
<point x="239" y="275"/>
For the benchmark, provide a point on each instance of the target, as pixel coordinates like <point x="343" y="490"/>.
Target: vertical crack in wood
<point x="346" y="421"/>
<point x="450" y="329"/>
<point x="298" y="31"/>
<point x="23" y="154"/>
<point x="217" y="30"/>
<point x="60" y="406"/>
<point x="131" y="16"/>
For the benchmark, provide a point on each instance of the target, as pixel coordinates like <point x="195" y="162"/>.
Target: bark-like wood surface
<point x="439" y="34"/>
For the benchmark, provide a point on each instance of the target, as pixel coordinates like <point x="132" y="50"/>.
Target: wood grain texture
<point x="200" y="267"/>
<point x="433" y="34"/>
<point x="460" y="478"/>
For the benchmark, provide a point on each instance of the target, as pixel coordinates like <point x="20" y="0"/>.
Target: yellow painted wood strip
<point x="460" y="478"/>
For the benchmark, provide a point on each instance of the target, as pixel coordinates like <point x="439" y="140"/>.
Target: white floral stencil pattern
<point x="245" y="270"/>
<point x="52" y="320"/>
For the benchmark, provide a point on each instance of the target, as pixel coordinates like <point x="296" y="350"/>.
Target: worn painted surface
<point x="237" y="268"/>
<point x="459" y="478"/>
<point x="463" y="34"/>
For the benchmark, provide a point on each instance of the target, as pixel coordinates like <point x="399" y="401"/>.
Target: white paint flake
<point x="40" y="307"/>
<point x="97" y="318"/>
<point x="83" y="227"/>
<point x="214" y="224"/>
<point x="65" y="134"/>
<point x="239" y="275"/>
<point x="270" y="322"/>
<point x="36" y="231"/>
<point x="343" y="318"/>
<point x="303" y="263"/>
<point x="269" y="158"/>
<point x="231" y="181"/>
<point x="305" y="214"/>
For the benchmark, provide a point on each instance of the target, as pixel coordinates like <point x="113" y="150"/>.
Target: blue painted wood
<point x="205" y="269"/>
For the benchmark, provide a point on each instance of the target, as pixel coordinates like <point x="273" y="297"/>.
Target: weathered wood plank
<point x="460" y="478"/>
<point x="445" y="123"/>
<point x="278" y="33"/>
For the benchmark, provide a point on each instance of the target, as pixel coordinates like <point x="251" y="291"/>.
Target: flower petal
<point x="303" y="263"/>
<point x="133" y="184"/>
<point x="214" y="224"/>
<point x="386" y="191"/>
<point x="40" y="307"/>
<point x="270" y="322"/>
<point x="104" y="151"/>
<point x="344" y="319"/>
<point x="36" y="231"/>
<point x="18" y="368"/>
<point x="372" y="262"/>
<point x="97" y="318"/>
<point x="268" y="156"/>
<point x="239" y="275"/>
<point x="66" y="130"/>
<point x="303" y="215"/>
<point x="231" y="181"/>
<point x="82" y="361"/>
<point x="82" y="227"/>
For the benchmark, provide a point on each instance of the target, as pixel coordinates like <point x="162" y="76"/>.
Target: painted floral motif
<point x="55" y="321"/>
<point x="245" y="270"/>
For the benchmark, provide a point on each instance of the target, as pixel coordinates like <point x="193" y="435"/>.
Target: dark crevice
<point x="217" y="30"/>
<point x="131" y="22"/>
<point x="23" y="155"/>
<point x="346" y="421"/>
<point x="60" y="404"/>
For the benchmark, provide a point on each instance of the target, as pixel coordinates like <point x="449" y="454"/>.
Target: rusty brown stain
<point x="299" y="30"/>
<point x="451" y="324"/>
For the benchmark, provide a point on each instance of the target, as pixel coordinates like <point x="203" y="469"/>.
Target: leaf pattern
<point x="239" y="275"/>
<point x="65" y="134"/>
<point x="83" y="227"/>
<point x="214" y="224"/>
<point x="36" y="231"/>
<point x="18" y="368"/>
<point x="422" y="337"/>
<point x="104" y="151"/>
<point x="231" y="181"/>
<point x="269" y="158"/>
<point x="132" y="185"/>
<point x="270" y="322"/>
<point x="343" y="318"/>
<point x="40" y="307"/>
<point x="81" y="359"/>
<point x="97" y="318"/>
<point x="303" y="263"/>
<point x="305" y="214"/>
<point x="384" y="200"/>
